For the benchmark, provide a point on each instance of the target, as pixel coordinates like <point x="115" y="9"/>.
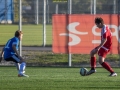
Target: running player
<point x="103" y="49"/>
<point x="10" y="53"/>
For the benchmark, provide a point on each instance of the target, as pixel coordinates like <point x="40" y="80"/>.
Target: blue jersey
<point x="8" y="50"/>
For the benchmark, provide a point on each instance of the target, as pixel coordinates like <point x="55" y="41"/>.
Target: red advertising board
<point x="78" y="33"/>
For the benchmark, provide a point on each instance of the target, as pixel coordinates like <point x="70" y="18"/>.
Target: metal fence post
<point x="20" y="25"/>
<point x="36" y="12"/>
<point x="94" y="6"/>
<point x="44" y="23"/>
<point x="69" y="12"/>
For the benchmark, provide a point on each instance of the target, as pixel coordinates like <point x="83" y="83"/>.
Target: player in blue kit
<point x="10" y="53"/>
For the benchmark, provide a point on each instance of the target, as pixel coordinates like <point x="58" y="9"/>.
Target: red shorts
<point x="103" y="52"/>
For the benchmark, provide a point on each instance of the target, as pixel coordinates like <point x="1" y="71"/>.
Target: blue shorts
<point x="13" y="58"/>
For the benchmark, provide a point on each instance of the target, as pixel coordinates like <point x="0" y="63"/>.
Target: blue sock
<point x="22" y="67"/>
<point x="17" y="66"/>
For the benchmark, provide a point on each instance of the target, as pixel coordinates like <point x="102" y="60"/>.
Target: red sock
<point x="93" y="62"/>
<point x="107" y="67"/>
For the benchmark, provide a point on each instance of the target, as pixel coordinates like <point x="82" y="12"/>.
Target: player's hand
<point x="97" y="49"/>
<point x="20" y="58"/>
<point x="1" y="59"/>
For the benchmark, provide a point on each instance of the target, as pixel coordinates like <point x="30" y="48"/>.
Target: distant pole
<point x="69" y="12"/>
<point x="91" y="9"/>
<point x="37" y="12"/>
<point x="69" y="6"/>
<point x="48" y="21"/>
<point x="6" y="11"/>
<point x="44" y="23"/>
<point x="94" y="6"/>
<point x="20" y="25"/>
<point x="114" y="6"/>
<point x="56" y="9"/>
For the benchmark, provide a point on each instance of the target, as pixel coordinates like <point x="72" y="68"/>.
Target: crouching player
<point x="10" y="53"/>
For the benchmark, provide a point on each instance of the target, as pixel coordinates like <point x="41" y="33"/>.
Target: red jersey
<point x="106" y="33"/>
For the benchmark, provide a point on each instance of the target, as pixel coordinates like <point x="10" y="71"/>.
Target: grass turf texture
<point x="33" y="34"/>
<point x="45" y="78"/>
<point x="50" y="59"/>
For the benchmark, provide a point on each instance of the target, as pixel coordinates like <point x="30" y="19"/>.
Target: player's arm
<point x="15" y="50"/>
<point x="103" y="41"/>
<point x="1" y="55"/>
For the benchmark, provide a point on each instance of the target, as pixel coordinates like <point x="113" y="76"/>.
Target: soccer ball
<point x="83" y="71"/>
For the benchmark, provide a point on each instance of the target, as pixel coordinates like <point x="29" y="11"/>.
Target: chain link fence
<point x="30" y="7"/>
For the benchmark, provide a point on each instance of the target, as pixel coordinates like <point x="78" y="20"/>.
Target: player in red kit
<point x="103" y="49"/>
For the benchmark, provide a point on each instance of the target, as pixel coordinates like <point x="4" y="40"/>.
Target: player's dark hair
<point x="18" y="33"/>
<point x="99" y="20"/>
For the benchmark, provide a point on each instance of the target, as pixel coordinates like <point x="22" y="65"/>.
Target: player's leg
<point x="107" y="66"/>
<point x="102" y="54"/>
<point x="92" y="61"/>
<point x="22" y="70"/>
<point x="17" y="66"/>
<point x="15" y="61"/>
<point x="21" y="67"/>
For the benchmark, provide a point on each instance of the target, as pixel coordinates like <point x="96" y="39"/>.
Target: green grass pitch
<point x="52" y="78"/>
<point x="32" y="34"/>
